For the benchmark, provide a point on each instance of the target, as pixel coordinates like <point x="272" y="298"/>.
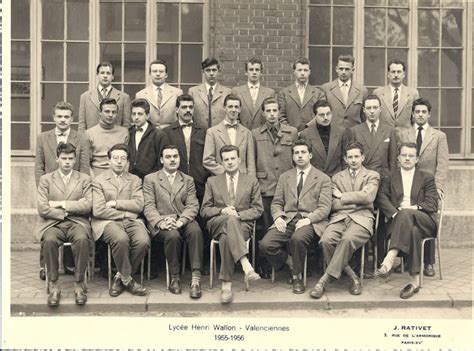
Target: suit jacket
<point x="292" y="111"/>
<point x="273" y="158"/>
<point x="194" y="166"/>
<point x="333" y="161"/>
<point x="362" y="194"/>
<point x="165" y="114"/>
<point x="77" y="196"/>
<point x="423" y="193"/>
<point x="434" y="154"/>
<point x="349" y="114"/>
<point x="217" y="137"/>
<point x="314" y="201"/>
<point x="201" y="104"/>
<point x="45" y="159"/>
<point x="405" y="102"/>
<point x="251" y="116"/>
<point x="89" y="108"/>
<point x="164" y="200"/>
<point x="128" y="195"/>
<point x="380" y="151"/>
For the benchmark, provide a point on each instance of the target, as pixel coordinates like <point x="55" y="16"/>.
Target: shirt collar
<point x="270" y="126"/>
<point x="181" y="123"/>
<point x="227" y="176"/>
<point x="63" y="175"/>
<point x="411" y="172"/>
<point x="370" y="124"/>
<point x="250" y="85"/>
<point x="305" y="171"/>
<point x="213" y="87"/>
<point x="227" y="123"/>
<point x="356" y="172"/>
<point x="392" y="89"/>
<point x="349" y="82"/>
<point x="424" y="126"/>
<point x="298" y="85"/>
<point x="65" y="133"/>
<point x="107" y="90"/>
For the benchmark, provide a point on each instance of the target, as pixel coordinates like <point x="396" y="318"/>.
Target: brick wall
<point x="272" y="30"/>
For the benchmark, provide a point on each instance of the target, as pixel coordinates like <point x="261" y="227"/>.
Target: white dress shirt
<point x="407" y="180"/>
<point x="65" y="178"/>
<point x="139" y="134"/>
<point x="345" y="87"/>
<point x="61" y="137"/>
<point x="301" y="88"/>
<point x="231" y="131"/>
<point x="171" y="177"/>
<point x="254" y="88"/>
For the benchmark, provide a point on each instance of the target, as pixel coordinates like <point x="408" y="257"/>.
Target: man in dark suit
<point x="300" y="209"/>
<point x="252" y="94"/>
<point x="171" y="207"/>
<point x="326" y="140"/>
<point x="344" y="95"/>
<point x="297" y="100"/>
<point x="64" y="204"/>
<point x="89" y="105"/>
<point x="408" y="198"/>
<point x="232" y="202"/>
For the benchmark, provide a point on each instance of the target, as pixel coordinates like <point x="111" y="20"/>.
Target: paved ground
<point x="28" y="294"/>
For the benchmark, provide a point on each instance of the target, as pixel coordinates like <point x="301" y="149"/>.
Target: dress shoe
<point x="195" y="292"/>
<point x="408" y="291"/>
<point x="398" y="269"/>
<point x="265" y="273"/>
<point x="318" y="291"/>
<point x="175" y="286"/>
<point x="205" y="270"/>
<point x="54" y="297"/>
<point x="69" y="270"/>
<point x="80" y="296"/>
<point x="116" y="288"/>
<point x="355" y="287"/>
<point x="136" y="289"/>
<point x="298" y="286"/>
<point x="290" y="279"/>
<point x="42" y="274"/>
<point x="382" y="272"/>
<point x="251" y="276"/>
<point x="227" y="296"/>
<point x="429" y="270"/>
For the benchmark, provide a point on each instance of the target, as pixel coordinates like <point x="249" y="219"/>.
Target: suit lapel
<point x="308" y="184"/>
<point x="52" y="142"/>
<point x="376" y="140"/>
<point x="416" y="187"/>
<point x="247" y="98"/>
<point x="166" y="91"/>
<point x="308" y="94"/>
<point x="293" y="93"/>
<point x="353" y="93"/>
<point x="58" y="182"/>
<point x="94" y="97"/>
<point x="317" y="142"/>
<point x="402" y="99"/>
<point x="222" y="131"/>
<point x="151" y="96"/>
<point x="337" y="92"/>
<point x="115" y="94"/>
<point x="387" y="99"/>
<point x="72" y="184"/>
<point x="222" y="185"/>
<point x="239" y="134"/>
<point x="178" y="183"/>
<point x="260" y="97"/>
<point x="334" y="137"/>
<point x="292" y="183"/>
<point x="429" y="135"/>
<point x="203" y="94"/>
<point x="240" y="189"/>
<point x="217" y="92"/>
<point x="397" y="187"/>
<point x="164" y="183"/>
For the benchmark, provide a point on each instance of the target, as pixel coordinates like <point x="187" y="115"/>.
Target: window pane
<point x="397" y="27"/>
<point x="135" y="21"/>
<point x="374" y="67"/>
<point x="343" y="26"/>
<point x="472" y="140"/>
<point x="452" y="27"/>
<point x="190" y="69"/>
<point x="191" y="22"/>
<point x="401" y="54"/>
<point x="428" y="3"/>
<point x="53" y="61"/>
<point x="169" y="53"/>
<point x="453" y="3"/>
<point x="74" y="92"/>
<point x="375" y="2"/>
<point x="20" y="137"/>
<point x="451" y="68"/>
<point x="134" y="65"/>
<point x="344" y="2"/>
<point x="110" y="21"/>
<point x="20" y="108"/>
<point x="20" y="19"/>
<point x="111" y="53"/>
<point x="78" y="19"/>
<point x="320" y="25"/>
<point x="20" y="60"/>
<point x="77" y="61"/>
<point x="320" y="66"/>
<point x="428" y="64"/>
<point x="403" y="3"/>
<point x="133" y="89"/>
<point x="428" y="28"/>
<point x="374" y="27"/>
<point x="454" y="139"/>
<point x="50" y="95"/>
<point x="20" y="89"/>
<point x="168" y="23"/>
<point x="53" y="16"/>
<point x="451" y="107"/>
<point x="432" y="96"/>
<point x="319" y="1"/>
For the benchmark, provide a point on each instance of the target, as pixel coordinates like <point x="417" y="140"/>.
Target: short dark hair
<point x="108" y="101"/>
<point x="143" y="103"/>
<point x="229" y="148"/>
<point x="270" y="100"/>
<point x="301" y="142"/>
<point x="253" y="60"/>
<point x="63" y="105"/>
<point x="158" y="62"/>
<point x="346" y="58"/>
<point x="120" y="146"/>
<point x="184" y="97"/>
<point x="371" y="97"/>
<point x="396" y="62"/>
<point x="303" y="61"/>
<point x="210" y="61"/>
<point x="232" y="97"/>
<point x="421" y="101"/>
<point x="408" y="144"/>
<point x="169" y="147"/>
<point x="354" y="145"/>
<point x="65" y="148"/>
<point x="104" y="64"/>
<point x="321" y="103"/>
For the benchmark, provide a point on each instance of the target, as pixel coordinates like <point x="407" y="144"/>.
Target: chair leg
<point x="109" y="264"/>
<point x="142" y="268"/>
<point x="211" y="265"/>
<point x="439" y="258"/>
<point x="254" y="239"/>
<point x="47" y="278"/>
<point x="61" y="258"/>
<point x="422" y="265"/>
<point x="148" y="273"/>
<point x="246" y="280"/>
<point x="167" y="275"/>
<point x="362" y="265"/>
<point x="305" y="268"/>
<point x="273" y="275"/>
<point x="183" y="269"/>
<point x="92" y="261"/>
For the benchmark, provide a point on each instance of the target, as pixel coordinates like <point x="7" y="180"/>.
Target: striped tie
<point x="395" y="101"/>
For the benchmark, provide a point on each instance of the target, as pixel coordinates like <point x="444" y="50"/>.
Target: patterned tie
<point x="300" y="184"/>
<point x="159" y="97"/>
<point x="395" y="101"/>
<point x="274" y="133"/>
<point x="419" y="141"/>
<point x="353" y="177"/>
<point x="104" y="92"/>
<point x="345" y="92"/>
<point x="231" y="191"/>
<point x="209" y="102"/>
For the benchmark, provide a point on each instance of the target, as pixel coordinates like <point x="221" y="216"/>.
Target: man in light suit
<point x="300" y="209"/>
<point x="89" y="105"/>
<point x="433" y="158"/>
<point x="117" y="202"/>
<point x="326" y="140"/>
<point x="209" y="96"/>
<point x="351" y="222"/>
<point x="229" y="132"/>
<point x="252" y="95"/>
<point x="297" y="100"/>
<point x="344" y="95"/>
<point x="160" y="95"/>
<point x="397" y="98"/>
<point x="171" y="207"/>
<point x="231" y="203"/>
<point x="64" y="204"/>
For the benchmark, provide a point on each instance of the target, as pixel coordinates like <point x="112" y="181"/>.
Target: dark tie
<point x="186" y="125"/>
<point x="395" y="101"/>
<point x="353" y="177"/>
<point x="231" y="191"/>
<point x="209" y="100"/>
<point x="140" y="129"/>
<point x="274" y="133"/>
<point x="419" y="141"/>
<point x="231" y="126"/>
<point x="159" y="97"/>
<point x="300" y="184"/>
<point x="372" y="129"/>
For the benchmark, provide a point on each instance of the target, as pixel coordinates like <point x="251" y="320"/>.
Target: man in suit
<point x="273" y="142"/>
<point x="326" y="140"/>
<point x="351" y="222"/>
<point x="171" y="207"/>
<point x="64" y="204"/>
<point x="160" y="95"/>
<point x="397" y="98"/>
<point x="300" y="209"/>
<point x="433" y="158"/>
<point x="232" y="202"/>
<point x="229" y="132"/>
<point x="146" y="142"/>
<point x="252" y="94"/>
<point x="117" y="203"/>
<point x="409" y="199"/>
<point x="209" y="96"/>
<point x="344" y="95"/>
<point x="297" y="100"/>
<point x="104" y="135"/>
<point x="89" y="105"/>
